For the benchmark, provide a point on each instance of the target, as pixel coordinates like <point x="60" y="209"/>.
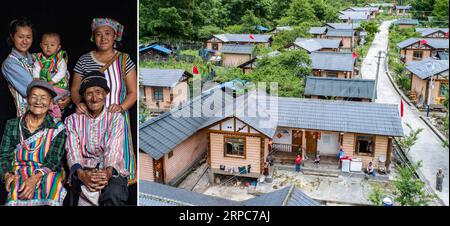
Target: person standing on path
<point x="439" y="179"/>
<point x="298" y="162"/>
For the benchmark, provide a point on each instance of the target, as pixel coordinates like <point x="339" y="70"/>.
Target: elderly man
<point x="95" y="147"/>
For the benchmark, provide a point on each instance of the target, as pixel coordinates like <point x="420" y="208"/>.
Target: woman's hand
<point x="81" y="108"/>
<point x="115" y="108"/>
<point x="9" y="178"/>
<point x="64" y="102"/>
<point x="27" y="189"/>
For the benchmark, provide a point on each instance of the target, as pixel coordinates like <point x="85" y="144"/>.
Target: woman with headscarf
<point x="120" y="73"/>
<point x="31" y="152"/>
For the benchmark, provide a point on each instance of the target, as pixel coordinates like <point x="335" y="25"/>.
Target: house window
<point x="170" y="154"/>
<point x="234" y="146"/>
<point x="417" y="54"/>
<point x="365" y="145"/>
<point x="443" y="89"/>
<point x="332" y="74"/>
<point x="158" y="94"/>
<point x="215" y="46"/>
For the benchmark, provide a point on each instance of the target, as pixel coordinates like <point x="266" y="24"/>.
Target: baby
<point x="51" y="66"/>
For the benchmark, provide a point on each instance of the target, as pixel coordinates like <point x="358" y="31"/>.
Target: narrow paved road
<point x="428" y="148"/>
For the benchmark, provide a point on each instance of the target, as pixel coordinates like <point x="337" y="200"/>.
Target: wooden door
<point x="297" y="139"/>
<point x="311" y="144"/>
<point x="158" y="169"/>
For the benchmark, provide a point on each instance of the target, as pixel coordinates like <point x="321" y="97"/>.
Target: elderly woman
<point x="94" y="147"/>
<point x="120" y="73"/>
<point x="18" y="66"/>
<point x="31" y="151"/>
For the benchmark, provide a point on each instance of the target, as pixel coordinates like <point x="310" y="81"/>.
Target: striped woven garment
<point x="29" y="157"/>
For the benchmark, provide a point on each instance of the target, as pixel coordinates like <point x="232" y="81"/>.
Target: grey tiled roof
<point x="436" y="43"/>
<point x="161" y="77"/>
<point x="151" y="193"/>
<point x="443" y="55"/>
<point x="381" y="4"/>
<point x="237" y="49"/>
<point x="340" y="33"/>
<point x="407" y="21"/>
<point x="349" y="26"/>
<point x="155" y="194"/>
<point x="427" y="31"/>
<point x="427" y="67"/>
<point x="364" y="9"/>
<point x="343" y="116"/>
<point x="339" y="87"/>
<point x="243" y="38"/>
<point x="334" y="61"/>
<point x="317" y="30"/>
<point x="345" y="15"/>
<point x="288" y="196"/>
<point x="313" y="44"/>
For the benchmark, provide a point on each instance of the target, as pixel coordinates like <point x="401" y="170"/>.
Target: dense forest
<point x="196" y="20"/>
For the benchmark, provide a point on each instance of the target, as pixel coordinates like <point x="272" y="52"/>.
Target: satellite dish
<point x="382" y="158"/>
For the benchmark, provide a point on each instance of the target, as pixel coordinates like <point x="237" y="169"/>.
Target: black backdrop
<point x="72" y="20"/>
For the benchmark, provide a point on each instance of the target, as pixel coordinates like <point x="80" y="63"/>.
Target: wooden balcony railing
<point x="285" y="147"/>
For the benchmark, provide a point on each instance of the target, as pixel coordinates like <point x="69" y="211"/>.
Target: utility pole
<point x="430" y="68"/>
<point x="376" y="76"/>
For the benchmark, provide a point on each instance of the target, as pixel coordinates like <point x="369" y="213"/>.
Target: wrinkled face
<point x="50" y="45"/>
<point x="94" y="97"/>
<point x="39" y="101"/>
<point x="22" y="39"/>
<point x="104" y="37"/>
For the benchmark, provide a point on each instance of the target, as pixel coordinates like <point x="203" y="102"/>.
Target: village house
<point x="402" y="9"/>
<point x="422" y="72"/>
<point x="316" y="44"/>
<point x="156" y="194"/>
<point x="333" y="64"/>
<point x="163" y="89"/>
<point x="416" y="49"/>
<point x="383" y="7"/>
<point x="433" y="32"/>
<point x="347" y="37"/>
<point x="340" y="89"/>
<point x="406" y="23"/>
<point x="217" y="41"/>
<point x="154" y="52"/>
<point x="248" y="66"/>
<point x="353" y="16"/>
<point x="371" y="11"/>
<point x="234" y="55"/>
<point x="238" y="142"/>
<point x="318" y="32"/>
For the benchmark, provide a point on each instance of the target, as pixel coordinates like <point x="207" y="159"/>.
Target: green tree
<point x="299" y="11"/>
<point x="422" y="8"/>
<point x="376" y="196"/>
<point x="410" y="191"/>
<point x="440" y="10"/>
<point x="409" y="140"/>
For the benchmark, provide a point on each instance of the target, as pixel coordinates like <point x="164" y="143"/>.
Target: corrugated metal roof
<point x="257" y="38"/>
<point x="436" y="43"/>
<point x="317" y="30"/>
<point x="160" y="77"/>
<point x="347" y="26"/>
<point x="340" y="33"/>
<point x="339" y="87"/>
<point x="314" y="44"/>
<point x="237" y="49"/>
<point x="381" y="4"/>
<point x="157" y="47"/>
<point x="443" y="55"/>
<point x="407" y="21"/>
<point x="159" y="194"/>
<point x="334" y="61"/>
<point x="427" y="67"/>
<point x="363" y="9"/>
